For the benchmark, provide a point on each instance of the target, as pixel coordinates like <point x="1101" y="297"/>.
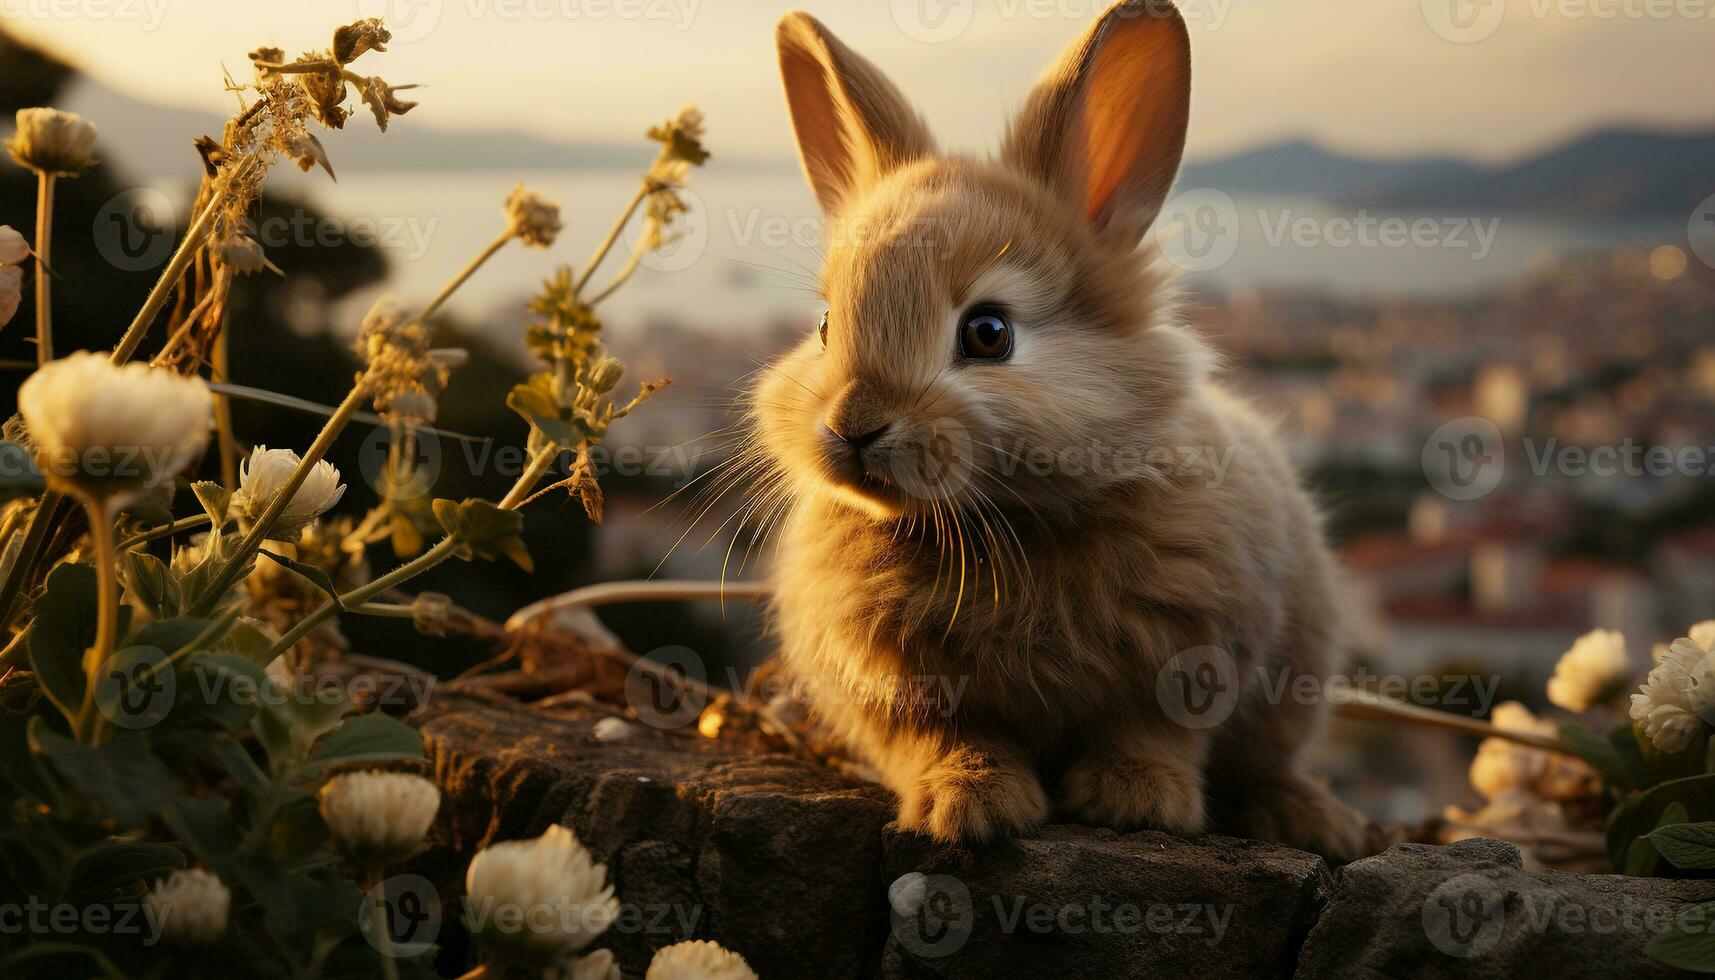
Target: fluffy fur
<point x="985" y="599"/>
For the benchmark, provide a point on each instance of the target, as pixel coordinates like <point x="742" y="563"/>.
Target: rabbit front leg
<point x="1141" y="773"/>
<point x="966" y="790"/>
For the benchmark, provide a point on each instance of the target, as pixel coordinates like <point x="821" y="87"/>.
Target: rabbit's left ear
<point x="1106" y="125"/>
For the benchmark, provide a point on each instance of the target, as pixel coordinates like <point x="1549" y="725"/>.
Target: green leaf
<point x="482" y="530"/>
<point x="149" y="582"/>
<point x="238" y="764"/>
<point x="1599" y="753"/>
<point x="1624" y="739"/>
<point x="18" y="474"/>
<point x="153" y="504"/>
<point x="534" y="399"/>
<point x="122" y="777"/>
<point x="369" y="738"/>
<point x="226" y="689"/>
<point x="1687" y="949"/>
<point x="115" y="866"/>
<point x="314" y="575"/>
<point x="1639" y="814"/>
<point x="248" y="642"/>
<point x="63" y="629"/>
<point x="1686" y="845"/>
<point x="1642" y="860"/>
<point x="188" y="633"/>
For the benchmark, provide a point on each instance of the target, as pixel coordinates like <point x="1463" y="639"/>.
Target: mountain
<point x="1617" y="173"/>
<point x="1302" y="168"/>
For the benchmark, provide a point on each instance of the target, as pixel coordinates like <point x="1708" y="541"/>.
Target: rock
<point x="798" y="868"/>
<point x="1471" y="910"/>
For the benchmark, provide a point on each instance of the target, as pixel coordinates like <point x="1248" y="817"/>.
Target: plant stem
<point x="384" y="940"/>
<point x="252" y="540"/>
<point x="44" y="246"/>
<point x="612" y="236"/>
<point x="223" y="412"/>
<point x="625" y="272"/>
<point x="181" y="260"/>
<point x="465" y="273"/>
<point x="443" y="549"/>
<point x="18" y="576"/>
<point x="106" y="616"/>
<point x="164" y="531"/>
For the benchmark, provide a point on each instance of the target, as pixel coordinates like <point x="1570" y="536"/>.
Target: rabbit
<point x="1025" y="532"/>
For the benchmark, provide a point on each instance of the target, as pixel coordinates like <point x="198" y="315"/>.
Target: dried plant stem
<point x="625" y="272"/>
<point x="223" y="409"/>
<point x="1362" y="705"/>
<point x="44" y="246"/>
<point x="12" y="589"/>
<point x="613" y="234"/>
<point x="252" y="540"/>
<point x="638" y="590"/>
<point x="465" y="273"/>
<point x="157" y="298"/>
<point x="106" y="616"/>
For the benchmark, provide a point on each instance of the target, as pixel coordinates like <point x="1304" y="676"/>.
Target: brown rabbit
<point x="1031" y="550"/>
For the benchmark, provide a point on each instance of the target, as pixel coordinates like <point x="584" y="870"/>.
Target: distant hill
<point x="1619" y="173"/>
<point x="1302" y="168"/>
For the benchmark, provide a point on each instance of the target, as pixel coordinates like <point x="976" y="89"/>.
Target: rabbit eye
<point x="823" y="329"/>
<point x="985" y="335"/>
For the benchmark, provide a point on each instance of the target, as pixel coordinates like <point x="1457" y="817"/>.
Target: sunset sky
<point x="1500" y="77"/>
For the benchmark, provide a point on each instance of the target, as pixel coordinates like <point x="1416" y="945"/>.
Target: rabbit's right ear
<point x="852" y="124"/>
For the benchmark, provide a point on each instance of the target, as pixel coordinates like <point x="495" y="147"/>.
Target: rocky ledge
<point x="798" y="867"/>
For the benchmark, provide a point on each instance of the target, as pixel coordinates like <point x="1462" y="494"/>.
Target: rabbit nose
<point x="857" y="442"/>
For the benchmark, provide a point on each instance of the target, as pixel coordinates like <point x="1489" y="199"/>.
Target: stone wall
<point x="798" y="868"/>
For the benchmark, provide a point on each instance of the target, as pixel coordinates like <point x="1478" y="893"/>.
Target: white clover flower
<point x="379" y="818"/>
<point x="1676" y="703"/>
<point x="266" y="471"/>
<point x="105" y="432"/>
<point x="54" y="142"/>
<point x="598" y="965"/>
<point x="532" y="217"/>
<point x="1594" y="670"/>
<point x="538" y="899"/>
<point x="190" y="907"/>
<point x="700" y="960"/>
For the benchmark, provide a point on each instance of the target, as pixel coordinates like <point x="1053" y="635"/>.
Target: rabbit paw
<point x="974" y="795"/>
<point x="1125" y="792"/>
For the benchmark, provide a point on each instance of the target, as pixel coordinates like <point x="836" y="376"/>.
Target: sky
<point x="1487" y="79"/>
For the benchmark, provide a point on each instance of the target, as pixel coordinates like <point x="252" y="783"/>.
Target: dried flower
<point x="191" y="906"/>
<point x="308" y="152"/>
<point x="262" y="476"/>
<point x="406" y="375"/>
<point x="53" y="142"/>
<point x="532" y="217"/>
<point x="326" y="92"/>
<point x="382" y="101"/>
<point x="700" y="960"/>
<point x="368" y="34"/>
<point x="379" y="818"/>
<point x="1676" y="703"/>
<point x="598" y="965"/>
<point x="106" y="432"/>
<point x="538" y="899"/>
<point x="681" y="137"/>
<point x="244" y="256"/>
<point x="1596" y="669"/>
<point x="431" y="612"/>
<point x="264" y="59"/>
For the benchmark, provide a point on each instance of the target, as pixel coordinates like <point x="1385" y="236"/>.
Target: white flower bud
<point x="538" y="899"/>
<point x="700" y="960"/>
<point x="262" y="476"/>
<point x="191" y="907"/>
<point x="379" y="818"/>
<point x="53" y="142"/>
<point x="104" y="432"/>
